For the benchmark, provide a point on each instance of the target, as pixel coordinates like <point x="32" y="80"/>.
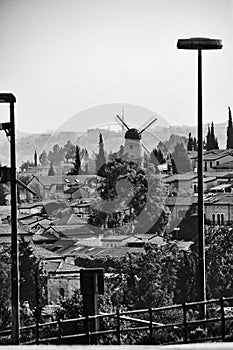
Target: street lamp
<point x="200" y="44"/>
<point x="9" y="129"/>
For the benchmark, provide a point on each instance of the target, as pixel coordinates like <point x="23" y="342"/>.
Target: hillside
<point x="27" y="143"/>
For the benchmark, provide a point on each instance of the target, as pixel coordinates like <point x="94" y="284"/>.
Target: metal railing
<point x="165" y="325"/>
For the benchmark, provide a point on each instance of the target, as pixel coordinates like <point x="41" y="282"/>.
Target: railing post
<point x="59" y="330"/>
<point x="151" y="324"/>
<point x="185" y="323"/>
<point x="37" y="331"/>
<point x="118" y="328"/>
<point x="87" y="325"/>
<point x="223" y="318"/>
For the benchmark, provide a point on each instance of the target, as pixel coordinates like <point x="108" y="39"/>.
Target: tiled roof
<point x="227" y="165"/>
<point x="219" y="199"/>
<point x="180" y="177"/>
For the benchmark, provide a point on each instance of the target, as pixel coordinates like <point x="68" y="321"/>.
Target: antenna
<point x="150" y="123"/>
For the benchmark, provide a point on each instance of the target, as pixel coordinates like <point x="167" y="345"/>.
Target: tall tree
<point x="77" y="163"/>
<point x="181" y="159"/>
<point x="35" y="158"/>
<point x="211" y="140"/>
<point x="100" y="157"/>
<point x="229" y="130"/>
<point x="51" y="171"/>
<point x="192" y="143"/>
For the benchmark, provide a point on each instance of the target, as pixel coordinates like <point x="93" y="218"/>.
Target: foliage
<point x="100" y="157"/>
<point x="192" y="143"/>
<point x="219" y="261"/>
<point x="25" y="165"/>
<point x="28" y="265"/>
<point x="43" y="158"/>
<point x="169" y="145"/>
<point x="181" y="159"/>
<point x="51" y="171"/>
<point x="211" y="140"/>
<point x="77" y="163"/>
<point x="56" y="156"/>
<point x="157" y="157"/>
<point x="229" y="131"/>
<point x="3" y="193"/>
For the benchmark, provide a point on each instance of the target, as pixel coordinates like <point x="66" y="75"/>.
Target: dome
<point x="133" y="134"/>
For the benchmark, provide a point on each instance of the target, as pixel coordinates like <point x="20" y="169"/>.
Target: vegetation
<point x="192" y="143"/>
<point x="77" y="163"/>
<point x="28" y="266"/>
<point x="229" y="131"/>
<point x="211" y="140"/>
<point x="100" y="157"/>
<point x="181" y="162"/>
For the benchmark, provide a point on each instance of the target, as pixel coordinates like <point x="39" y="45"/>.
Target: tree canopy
<point x="181" y="159"/>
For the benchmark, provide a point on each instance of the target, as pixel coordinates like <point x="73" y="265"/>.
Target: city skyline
<point x="63" y="58"/>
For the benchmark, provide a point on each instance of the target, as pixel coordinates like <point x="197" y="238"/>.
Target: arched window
<point x="222" y="219"/>
<point x="213" y="219"/>
<point x="218" y="219"/>
<point x="62" y="292"/>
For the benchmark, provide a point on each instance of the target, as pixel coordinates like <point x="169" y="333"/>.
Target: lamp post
<point x="9" y="129"/>
<point x="200" y="44"/>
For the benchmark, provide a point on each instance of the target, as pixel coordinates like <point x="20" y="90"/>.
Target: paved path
<point x="208" y="346"/>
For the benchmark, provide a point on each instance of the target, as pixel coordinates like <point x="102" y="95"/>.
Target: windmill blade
<point x="147" y="150"/>
<point x="119" y="123"/>
<point x="122" y="121"/>
<point x="149" y="124"/>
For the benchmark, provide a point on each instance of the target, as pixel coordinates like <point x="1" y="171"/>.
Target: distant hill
<point x="26" y="143"/>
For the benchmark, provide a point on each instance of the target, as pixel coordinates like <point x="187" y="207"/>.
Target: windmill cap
<point x="133" y="134"/>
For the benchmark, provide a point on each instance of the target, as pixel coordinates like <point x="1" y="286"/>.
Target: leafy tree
<point x="100" y="157"/>
<point x="211" y="140"/>
<point x="181" y="159"/>
<point x="157" y="158"/>
<point x="43" y="158"/>
<point x="3" y="200"/>
<point x="70" y="151"/>
<point x="77" y="164"/>
<point x="25" y="165"/>
<point x="28" y="265"/>
<point x="56" y="155"/>
<point x="219" y="261"/>
<point x="229" y="131"/>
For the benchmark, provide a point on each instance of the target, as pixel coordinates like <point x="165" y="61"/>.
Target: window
<point x="205" y="166"/>
<point x="210" y="164"/>
<point x="62" y="292"/>
<point x="217" y="163"/>
<point x="222" y="219"/>
<point x="218" y="219"/>
<point x="213" y="219"/>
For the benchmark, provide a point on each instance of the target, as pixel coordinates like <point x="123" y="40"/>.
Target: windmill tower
<point x="133" y="141"/>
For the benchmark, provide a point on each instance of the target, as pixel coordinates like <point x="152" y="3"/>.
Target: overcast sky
<point x="60" y="57"/>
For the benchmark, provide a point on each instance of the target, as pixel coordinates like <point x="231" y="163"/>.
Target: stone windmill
<point x="133" y="141"/>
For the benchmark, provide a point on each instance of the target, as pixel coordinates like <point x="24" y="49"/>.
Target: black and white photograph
<point x="116" y="174"/>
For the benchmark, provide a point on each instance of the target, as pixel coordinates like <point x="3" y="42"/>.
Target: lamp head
<point x="199" y="44"/>
<point x="7" y="98"/>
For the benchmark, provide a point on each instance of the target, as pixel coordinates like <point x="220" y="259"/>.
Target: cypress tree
<point x="229" y="131"/>
<point x="211" y="140"/>
<point x="77" y="163"/>
<point x="100" y="157"/>
<point x="51" y="171"/>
